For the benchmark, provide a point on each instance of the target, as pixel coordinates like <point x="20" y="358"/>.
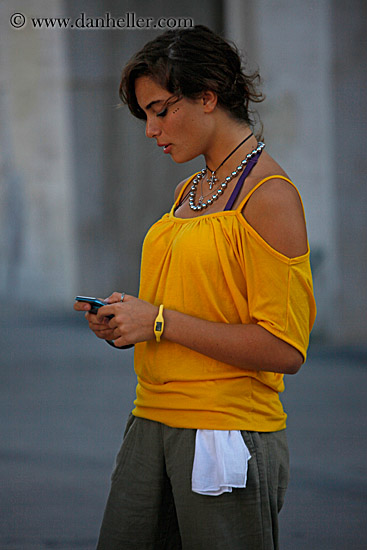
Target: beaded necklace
<point x="222" y="186"/>
<point x="213" y="179"/>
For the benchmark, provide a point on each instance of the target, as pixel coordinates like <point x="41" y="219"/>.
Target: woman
<point x="225" y="309"/>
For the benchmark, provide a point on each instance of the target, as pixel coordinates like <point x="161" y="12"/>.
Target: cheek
<point x="189" y="128"/>
<point x="184" y="118"/>
<point x="187" y="133"/>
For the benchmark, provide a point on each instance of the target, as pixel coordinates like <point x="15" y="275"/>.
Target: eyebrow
<point x="153" y="103"/>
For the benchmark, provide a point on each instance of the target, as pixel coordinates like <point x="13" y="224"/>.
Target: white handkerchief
<point x="220" y="462"/>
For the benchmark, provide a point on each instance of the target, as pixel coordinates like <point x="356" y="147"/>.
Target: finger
<point x="98" y="326"/>
<point x="111" y="322"/>
<point x="120" y="341"/>
<point x="81" y="306"/>
<point x="115" y="297"/>
<point x="105" y="311"/>
<point x="105" y="333"/>
<point x="116" y="334"/>
<point x="91" y="317"/>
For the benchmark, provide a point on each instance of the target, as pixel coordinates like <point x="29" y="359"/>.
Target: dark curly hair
<point x="187" y="62"/>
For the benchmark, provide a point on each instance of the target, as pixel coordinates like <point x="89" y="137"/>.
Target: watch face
<point x="158" y="326"/>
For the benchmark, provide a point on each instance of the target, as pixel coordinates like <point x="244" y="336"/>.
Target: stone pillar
<point x="349" y="43"/>
<point x="291" y="42"/>
<point x="37" y="202"/>
<point x="80" y="183"/>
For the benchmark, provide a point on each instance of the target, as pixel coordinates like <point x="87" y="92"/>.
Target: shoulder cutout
<point x="275" y="211"/>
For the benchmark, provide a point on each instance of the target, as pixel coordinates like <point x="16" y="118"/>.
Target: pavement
<point x="65" y="397"/>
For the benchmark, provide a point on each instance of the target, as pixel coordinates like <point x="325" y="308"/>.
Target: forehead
<point x="148" y="92"/>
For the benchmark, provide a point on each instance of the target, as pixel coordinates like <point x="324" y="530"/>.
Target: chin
<point x="183" y="157"/>
<point x="179" y="160"/>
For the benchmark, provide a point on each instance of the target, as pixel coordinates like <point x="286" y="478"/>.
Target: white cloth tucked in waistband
<point x="220" y="462"/>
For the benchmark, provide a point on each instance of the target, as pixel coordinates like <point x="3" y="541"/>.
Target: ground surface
<point x="64" y="400"/>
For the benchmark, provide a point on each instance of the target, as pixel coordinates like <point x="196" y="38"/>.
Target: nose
<point x="151" y="129"/>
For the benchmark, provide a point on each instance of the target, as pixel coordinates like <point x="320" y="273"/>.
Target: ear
<point x="209" y="101"/>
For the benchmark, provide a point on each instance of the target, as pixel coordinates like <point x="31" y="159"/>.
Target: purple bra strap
<point x="249" y="166"/>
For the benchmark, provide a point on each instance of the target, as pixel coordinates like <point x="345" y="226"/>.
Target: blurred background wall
<point x="80" y="183"/>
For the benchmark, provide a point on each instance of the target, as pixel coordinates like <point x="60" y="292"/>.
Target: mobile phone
<point x="94" y="302"/>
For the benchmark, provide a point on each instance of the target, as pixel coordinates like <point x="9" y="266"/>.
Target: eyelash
<point x="162" y="113"/>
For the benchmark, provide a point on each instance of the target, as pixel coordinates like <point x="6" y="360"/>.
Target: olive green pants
<point x="151" y="505"/>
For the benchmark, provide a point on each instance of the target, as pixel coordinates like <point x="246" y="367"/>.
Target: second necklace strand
<point x="222" y="186"/>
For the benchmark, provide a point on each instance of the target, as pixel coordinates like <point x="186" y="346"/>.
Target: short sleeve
<point x="280" y="292"/>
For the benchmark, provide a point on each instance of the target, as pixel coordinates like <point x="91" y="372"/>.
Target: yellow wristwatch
<point x="159" y="324"/>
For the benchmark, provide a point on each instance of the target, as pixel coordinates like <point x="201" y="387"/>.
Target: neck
<point x="221" y="148"/>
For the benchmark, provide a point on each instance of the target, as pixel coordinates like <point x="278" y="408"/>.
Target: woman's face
<point x="180" y="126"/>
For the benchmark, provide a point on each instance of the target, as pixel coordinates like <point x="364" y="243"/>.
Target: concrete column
<point x="291" y="42"/>
<point x="37" y="203"/>
<point x="349" y="41"/>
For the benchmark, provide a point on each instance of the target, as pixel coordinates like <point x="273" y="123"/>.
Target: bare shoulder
<point x="275" y="211"/>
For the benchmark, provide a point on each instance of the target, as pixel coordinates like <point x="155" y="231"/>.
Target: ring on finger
<point x="122" y="296"/>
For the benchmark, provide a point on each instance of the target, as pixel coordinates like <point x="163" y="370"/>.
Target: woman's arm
<point x="276" y="213"/>
<point x="246" y="346"/>
<point x="250" y="347"/>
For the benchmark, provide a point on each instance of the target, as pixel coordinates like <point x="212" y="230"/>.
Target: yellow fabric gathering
<point x="218" y="268"/>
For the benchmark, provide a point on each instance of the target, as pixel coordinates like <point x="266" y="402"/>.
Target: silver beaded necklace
<point x="222" y="186"/>
<point x="213" y="178"/>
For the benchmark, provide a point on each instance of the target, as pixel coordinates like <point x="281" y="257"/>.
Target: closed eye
<point x="162" y="113"/>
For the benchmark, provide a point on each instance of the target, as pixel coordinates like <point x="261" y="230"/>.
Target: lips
<point x="166" y="147"/>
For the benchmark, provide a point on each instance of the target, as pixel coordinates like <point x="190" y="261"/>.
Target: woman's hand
<point x="100" y="329"/>
<point x="132" y="321"/>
